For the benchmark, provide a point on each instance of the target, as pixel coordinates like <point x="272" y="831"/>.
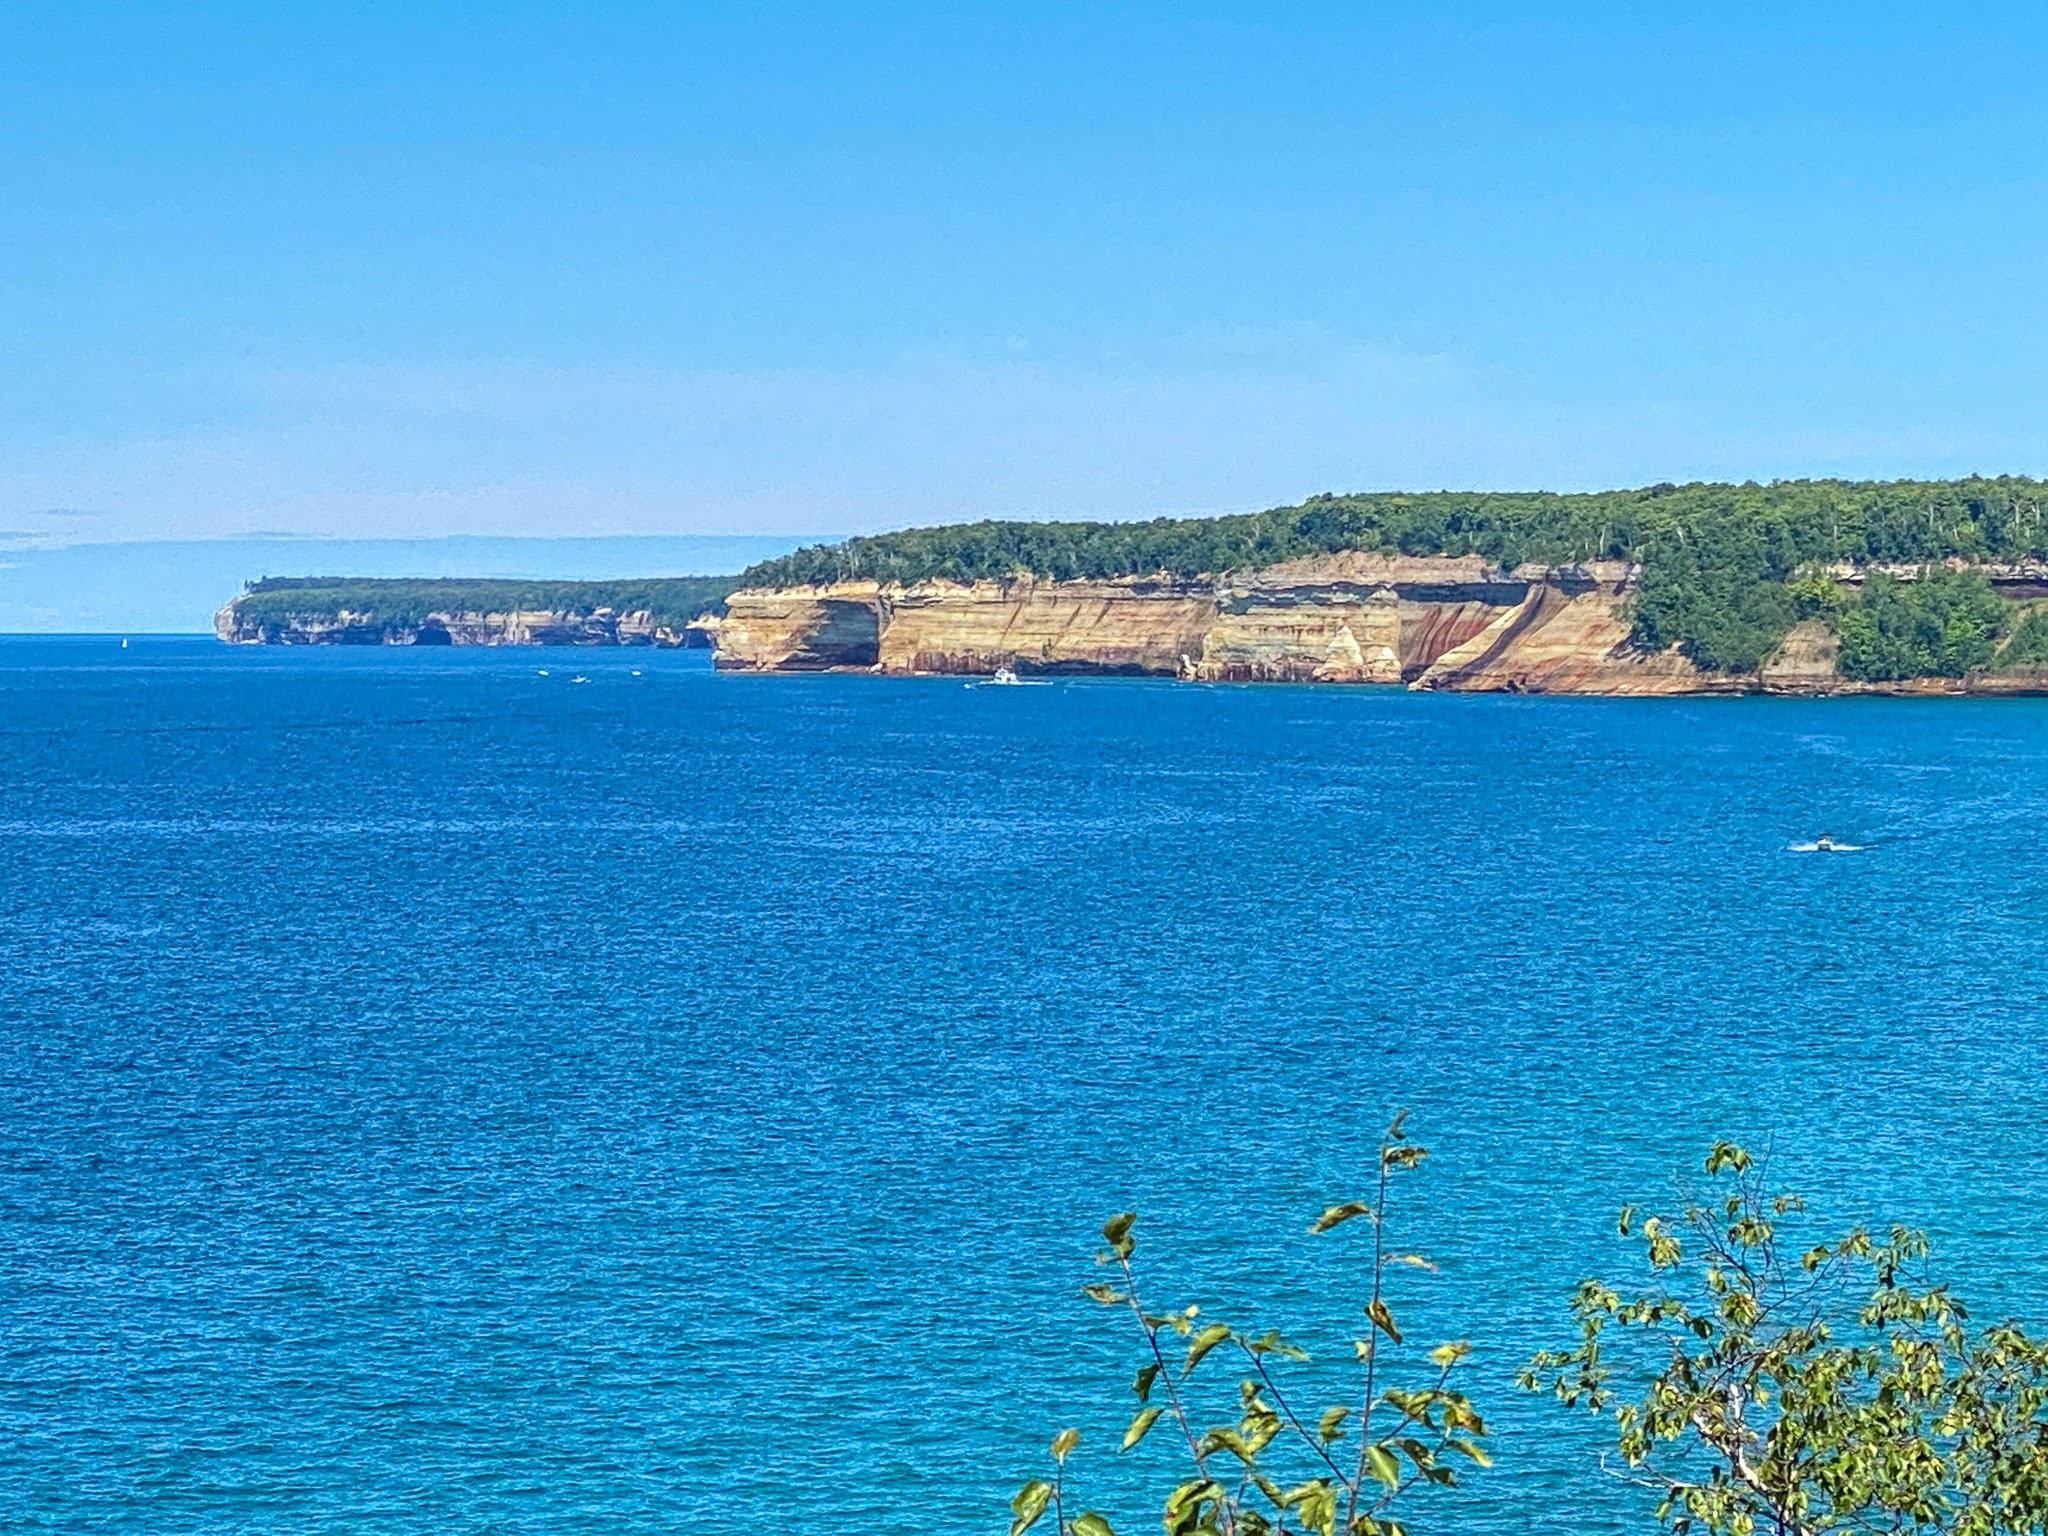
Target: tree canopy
<point x="1703" y="531"/>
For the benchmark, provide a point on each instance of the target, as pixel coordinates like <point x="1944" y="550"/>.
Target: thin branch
<point x="1314" y="1442"/>
<point x="1372" y="1348"/>
<point x="1180" y="1412"/>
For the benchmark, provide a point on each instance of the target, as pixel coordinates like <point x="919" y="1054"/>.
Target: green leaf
<point x="1223" y="1438"/>
<point x="1203" y="1342"/>
<point x="1028" y="1505"/>
<point x="1188" y="1494"/>
<point x="1382" y="1319"/>
<point x="1331" y="1425"/>
<point x="1143" y="1422"/>
<point x="1108" y="1295"/>
<point x="1448" y="1355"/>
<point x="1380" y="1462"/>
<point x="1467" y="1448"/>
<point x="1337" y="1215"/>
<point x="1117" y="1233"/>
<point x="1315" y="1505"/>
<point x="1089" y="1523"/>
<point x="1184" y="1506"/>
<point x="1726" y="1156"/>
<point x="1064" y="1442"/>
<point x="1270" y="1343"/>
<point x="1146" y="1376"/>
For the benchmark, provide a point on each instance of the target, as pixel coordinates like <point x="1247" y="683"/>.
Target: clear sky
<point x="377" y="270"/>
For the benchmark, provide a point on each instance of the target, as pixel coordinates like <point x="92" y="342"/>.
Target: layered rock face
<point x="804" y="630"/>
<point x="1129" y="626"/>
<point x="599" y="627"/>
<point x="1452" y="623"/>
<point x="1353" y="618"/>
<point x="1132" y="627"/>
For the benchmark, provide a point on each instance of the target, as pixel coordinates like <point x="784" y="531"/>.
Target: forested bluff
<point x="1808" y="586"/>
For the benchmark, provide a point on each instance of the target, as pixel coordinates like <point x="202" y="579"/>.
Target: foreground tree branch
<point x="1282" y="1475"/>
<point x="1835" y="1392"/>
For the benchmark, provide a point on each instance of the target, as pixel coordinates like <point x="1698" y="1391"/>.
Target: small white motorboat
<point x="1006" y="678"/>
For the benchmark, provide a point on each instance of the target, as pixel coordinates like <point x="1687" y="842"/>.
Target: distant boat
<point x="579" y="678"/>
<point x="1006" y="678"/>
<point x="124" y="645"/>
<point x="1826" y="844"/>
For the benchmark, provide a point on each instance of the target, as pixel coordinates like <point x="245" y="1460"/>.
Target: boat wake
<point x="1005" y="678"/>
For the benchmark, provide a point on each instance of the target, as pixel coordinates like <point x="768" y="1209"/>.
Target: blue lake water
<point x="436" y="1096"/>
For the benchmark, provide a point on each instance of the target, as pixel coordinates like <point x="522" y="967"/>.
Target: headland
<point x="1917" y="587"/>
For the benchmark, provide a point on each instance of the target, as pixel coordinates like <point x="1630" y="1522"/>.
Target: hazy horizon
<point x="174" y="586"/>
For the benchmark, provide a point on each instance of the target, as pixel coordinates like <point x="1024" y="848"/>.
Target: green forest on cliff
<point x="1721" y="564"/>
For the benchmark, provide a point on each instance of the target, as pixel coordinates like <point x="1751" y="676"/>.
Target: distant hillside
<point x="1719" y="562"/>
<point x="403" y="605"/>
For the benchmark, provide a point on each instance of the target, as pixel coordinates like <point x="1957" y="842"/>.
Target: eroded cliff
<point x="1430" y="622"/>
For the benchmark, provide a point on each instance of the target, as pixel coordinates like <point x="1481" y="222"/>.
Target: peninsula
<point x="323" y="610"/>
<point x="1814" y="586"/>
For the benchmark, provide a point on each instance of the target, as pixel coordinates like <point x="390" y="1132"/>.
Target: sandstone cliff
<point x="1429" y="622"/>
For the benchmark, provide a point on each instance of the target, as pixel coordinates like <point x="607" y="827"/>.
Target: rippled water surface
<point x="437" y="1096"/>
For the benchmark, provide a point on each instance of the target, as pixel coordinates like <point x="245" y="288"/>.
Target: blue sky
<point x="379" y="271"/>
